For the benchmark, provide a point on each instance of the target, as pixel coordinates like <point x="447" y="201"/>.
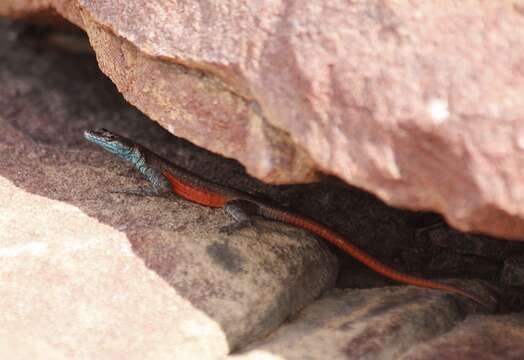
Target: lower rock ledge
<point x="393" y="323"/>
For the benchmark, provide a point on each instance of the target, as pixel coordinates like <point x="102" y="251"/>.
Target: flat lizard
<point x="166" y="178"/>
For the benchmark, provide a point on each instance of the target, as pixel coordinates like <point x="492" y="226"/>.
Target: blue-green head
<point x="113" y="143"/>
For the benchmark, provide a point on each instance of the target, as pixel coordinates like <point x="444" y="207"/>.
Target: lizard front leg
<point x="159" y="187"/>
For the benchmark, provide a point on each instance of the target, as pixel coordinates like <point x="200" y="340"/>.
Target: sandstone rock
<point x="382" y="323"/>
<point x="415" y="104"/>
<point x="478" y="337"/>
<point x="72" y="285"/>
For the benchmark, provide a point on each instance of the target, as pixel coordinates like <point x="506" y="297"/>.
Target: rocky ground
<point x="87" y="273"/>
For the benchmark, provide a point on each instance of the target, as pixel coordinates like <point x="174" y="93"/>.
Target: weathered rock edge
<point x="420" y="106"/>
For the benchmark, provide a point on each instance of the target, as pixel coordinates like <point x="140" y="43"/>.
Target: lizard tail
<point x="360" y="255"/>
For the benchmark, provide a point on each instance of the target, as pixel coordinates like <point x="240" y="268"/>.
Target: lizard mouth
<point x="103" y="133"/>
<point x="93" y="136"/>
<point x="100" y="135"/>
<point x="90" y="135"/>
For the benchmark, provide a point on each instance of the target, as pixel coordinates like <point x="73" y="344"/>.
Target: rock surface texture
<point x="86" y="273"/>
<point x="398" y="323"/>
<point x="420" y="104"/>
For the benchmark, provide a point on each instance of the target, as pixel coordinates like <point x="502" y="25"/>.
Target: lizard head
<point x="111" y="142"/>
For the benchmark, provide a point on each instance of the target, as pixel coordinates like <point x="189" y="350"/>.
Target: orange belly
<point x="192" y="193"/>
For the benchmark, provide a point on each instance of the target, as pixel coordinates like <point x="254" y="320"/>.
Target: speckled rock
<point x="478" y="337"/>
<point x="392" y="323"/>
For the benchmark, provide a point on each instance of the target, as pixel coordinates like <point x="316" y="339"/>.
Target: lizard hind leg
<point x="239" y="211"/>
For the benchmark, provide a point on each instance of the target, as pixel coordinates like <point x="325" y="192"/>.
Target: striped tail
<point x="360" y="255"/>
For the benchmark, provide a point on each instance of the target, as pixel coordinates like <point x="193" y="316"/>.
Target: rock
<point x="472" y="244"/>
<point x="478" y="337"/>
<point x="73" y="285"/>
<point x="392" y="98"/>
<point x="85" y="271"/>
<point x="381" y="323"/>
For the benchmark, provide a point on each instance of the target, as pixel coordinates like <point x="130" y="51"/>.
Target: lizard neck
<point x="138" y="159"/>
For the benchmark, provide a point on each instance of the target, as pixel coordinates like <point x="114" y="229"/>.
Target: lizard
<point x="166" y="178"/>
